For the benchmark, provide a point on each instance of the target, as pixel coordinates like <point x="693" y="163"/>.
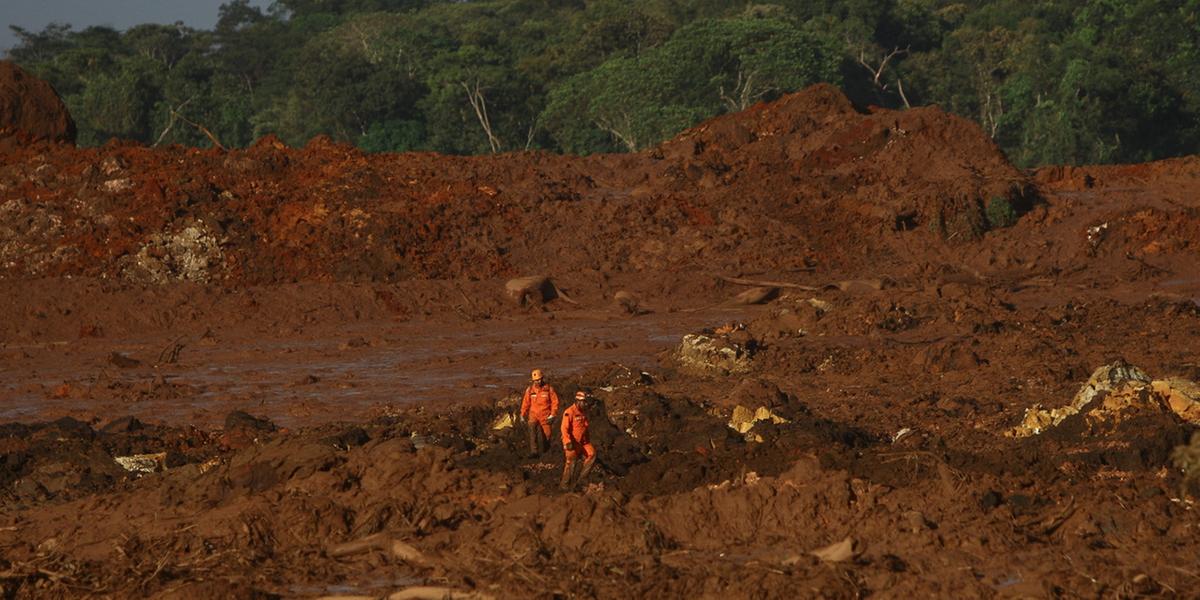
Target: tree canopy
<point x="1052" y="81"/>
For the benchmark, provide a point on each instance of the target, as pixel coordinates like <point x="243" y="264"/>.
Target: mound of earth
<point x="30" y="110"/>
<point x="905" y="169"/>
<point x="778" y="181"/>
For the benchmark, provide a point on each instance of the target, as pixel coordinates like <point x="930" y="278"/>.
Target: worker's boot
<point x="543" y="443"/>
<point x="587" y="468"/>
<point x="536" y="439"/>
<point x="568" y="477"/>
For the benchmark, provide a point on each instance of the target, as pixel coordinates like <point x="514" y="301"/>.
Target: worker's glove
<point x="549" y="418"/>
<point x="569" y="446"/>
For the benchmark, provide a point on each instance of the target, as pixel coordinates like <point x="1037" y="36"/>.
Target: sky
<point x="34" y="15"/>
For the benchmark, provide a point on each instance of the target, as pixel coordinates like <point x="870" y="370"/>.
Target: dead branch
<point x="479" y="104"/>
<point x="171" y="123"/>
<point x="900" y="88"/>
<point x="743" y="92"/>
<point x="628" y="139"/>
<point x="877" y="71"/>
<point x="529" y="136"/>
<point x="202" y="129"/>
<point x="170" y="353"/>
<point x="778" y="284"/>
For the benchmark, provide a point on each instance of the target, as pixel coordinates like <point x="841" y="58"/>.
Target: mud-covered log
<point x="757" y="295"/>
<point x="381" y="542"/>
<point x="534" y="289"/>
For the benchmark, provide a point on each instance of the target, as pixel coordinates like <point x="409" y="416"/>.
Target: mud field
<point x="837" y="353"/>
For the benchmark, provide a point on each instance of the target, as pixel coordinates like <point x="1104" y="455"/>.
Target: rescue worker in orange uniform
<point x="576" y="441"/>
<point x="538" y="408"/>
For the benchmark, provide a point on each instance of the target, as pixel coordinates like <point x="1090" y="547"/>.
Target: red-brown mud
<point x="353" y="307"/>
<point x="30" y="110"/>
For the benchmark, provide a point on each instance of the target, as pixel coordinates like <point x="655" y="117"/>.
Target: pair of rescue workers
<point x="538" y="409"/>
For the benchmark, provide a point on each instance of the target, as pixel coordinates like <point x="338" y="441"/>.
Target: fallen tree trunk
<point x="845" y="286"/>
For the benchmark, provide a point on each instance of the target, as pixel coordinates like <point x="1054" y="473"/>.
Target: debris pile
<point x="1115" y="392"/>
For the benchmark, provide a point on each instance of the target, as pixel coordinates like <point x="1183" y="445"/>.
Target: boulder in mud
<point x="66" y="472"/>
<point x="1106" y="379"/>
<point x="1118" y="419"/>
<point x="1103" y="381"/>
<point x="1126" y="401"/>
<point x="243" y="430"/>
<point x="1182" y="396"/>
<point x="714" y="354"/>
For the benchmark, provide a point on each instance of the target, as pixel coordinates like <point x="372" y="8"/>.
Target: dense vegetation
<point x="1053" y="81"/>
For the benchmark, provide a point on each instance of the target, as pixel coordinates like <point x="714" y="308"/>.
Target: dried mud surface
<point x="312" y="349"/>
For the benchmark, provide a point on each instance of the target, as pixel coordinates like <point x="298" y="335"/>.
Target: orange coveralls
<point x="538" y="405"/>
<point x="575" y="429"/>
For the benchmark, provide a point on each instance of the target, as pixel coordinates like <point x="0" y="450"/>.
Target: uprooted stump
<point x="536" y="289"/>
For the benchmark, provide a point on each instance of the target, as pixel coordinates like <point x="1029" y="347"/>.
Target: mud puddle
<point x="344" y="373"/>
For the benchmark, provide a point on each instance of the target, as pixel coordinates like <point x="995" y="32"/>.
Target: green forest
<point x="1052" y="81"/>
